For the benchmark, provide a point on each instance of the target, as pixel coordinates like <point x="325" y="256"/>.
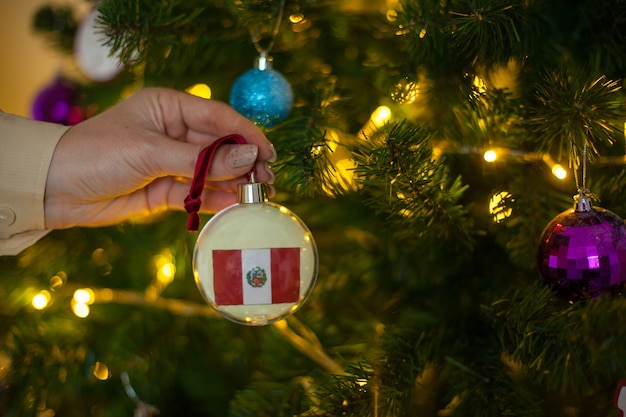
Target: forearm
<point x="26" y="149"/>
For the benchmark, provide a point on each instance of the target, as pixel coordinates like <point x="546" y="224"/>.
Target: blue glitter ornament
<point x="262" y="94"/>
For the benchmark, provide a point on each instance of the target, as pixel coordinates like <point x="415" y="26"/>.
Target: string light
<point x="344" y="174"/>
<point x="559" y="172"/>
<point x="378" y="118"/>
<point x="557" y="169"/>
<point x="306" y="342"/>
<point x="500" y="213"/>
<point x="200" y="90"/>
<point x="381" y="115"/>
<point x="303" y="339"/>
<point x="81" y="301"/>
<point x="84" y="296"/>
<point x="165" y="272"/>
<point x="490" y="155"/>
<point x="80" y="310"/>
<point x="41" y="300"/>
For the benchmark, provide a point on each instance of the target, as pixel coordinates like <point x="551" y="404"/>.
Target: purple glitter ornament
<point x="582" y="252"/>
<point x="56" y="103"/>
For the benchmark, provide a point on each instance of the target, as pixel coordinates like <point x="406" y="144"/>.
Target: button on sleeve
<point x="27" y="147"/>
<point x="7" y="216"/>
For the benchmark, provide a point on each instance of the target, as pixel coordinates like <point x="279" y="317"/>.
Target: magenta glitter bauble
<point x="582" y="253"/>
<point x="57" y="103"/>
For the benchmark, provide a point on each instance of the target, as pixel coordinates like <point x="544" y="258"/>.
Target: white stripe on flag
<point x="259" y="261"/>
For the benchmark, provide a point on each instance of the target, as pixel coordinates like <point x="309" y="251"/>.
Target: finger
<point x="264" y="172"/>
<point x="174" y="158"/>
<point x="167" y="157"/>
<point x="206" y="120"/>
<point x="219" y="119"/>
<point x="232" y="161"/>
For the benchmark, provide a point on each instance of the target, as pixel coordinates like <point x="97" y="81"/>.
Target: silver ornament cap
<point x="263" y="62"/>
<point x="582" y="201"/>
<point x="252" y="192"/>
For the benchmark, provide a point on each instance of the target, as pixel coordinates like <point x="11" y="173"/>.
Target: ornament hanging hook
<point x="582" y="200"/>
<point x="256" y="33"/>
<point x="252" y="176"/>
<point x="582" y="188"/>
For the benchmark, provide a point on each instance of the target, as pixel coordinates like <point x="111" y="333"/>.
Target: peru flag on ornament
<point x="256" y="276"/>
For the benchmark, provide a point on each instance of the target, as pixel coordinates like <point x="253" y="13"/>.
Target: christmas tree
<point x="420" y="151"/>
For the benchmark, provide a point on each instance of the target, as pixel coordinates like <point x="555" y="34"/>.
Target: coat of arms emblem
<point x="256" y="277"/>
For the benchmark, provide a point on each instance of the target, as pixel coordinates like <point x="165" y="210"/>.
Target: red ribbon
<point x="193" y="200"/>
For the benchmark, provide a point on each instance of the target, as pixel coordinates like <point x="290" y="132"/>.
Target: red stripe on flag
<point x="285" y="275"/>
<point x="227" y="277"/>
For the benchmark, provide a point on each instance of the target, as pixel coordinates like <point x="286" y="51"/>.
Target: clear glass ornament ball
<point x="255" y="263"/>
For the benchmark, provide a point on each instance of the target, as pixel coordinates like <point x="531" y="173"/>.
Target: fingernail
<point x="269" y="171"/>
<point x="241" y="156"/>
<point x="274" y="156"/>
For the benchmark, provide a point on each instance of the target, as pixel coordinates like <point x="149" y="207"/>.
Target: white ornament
<point x="620" y="398"/>
<point x="94" y="58"/>
<point x="255" y="262"/>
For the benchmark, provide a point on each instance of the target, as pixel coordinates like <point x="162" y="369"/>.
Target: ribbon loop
<point x="193" y="201"/>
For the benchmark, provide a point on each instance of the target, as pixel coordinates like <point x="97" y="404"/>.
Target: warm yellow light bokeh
<point x="559" y="172"/>
<point x="84" y="296"/>
<point x="490" y="155"/>
<point x="80" y="309"/>
<point x="41" y="300"/>
<point x="405" y="92"/>
<point x="499" y="213"/>
<point x="200" y="90"/>
<point x="481" y="86"/>
<point x="166" y="272"/>
<point x="381" y="115"/>
<point x="296" y="18"/>
<point x="101" y="371"/>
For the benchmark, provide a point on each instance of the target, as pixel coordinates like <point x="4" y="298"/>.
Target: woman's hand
<point x="138" y="157"/>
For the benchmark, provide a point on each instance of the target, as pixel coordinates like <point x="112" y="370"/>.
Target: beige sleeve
<point x="26" y="149"/>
